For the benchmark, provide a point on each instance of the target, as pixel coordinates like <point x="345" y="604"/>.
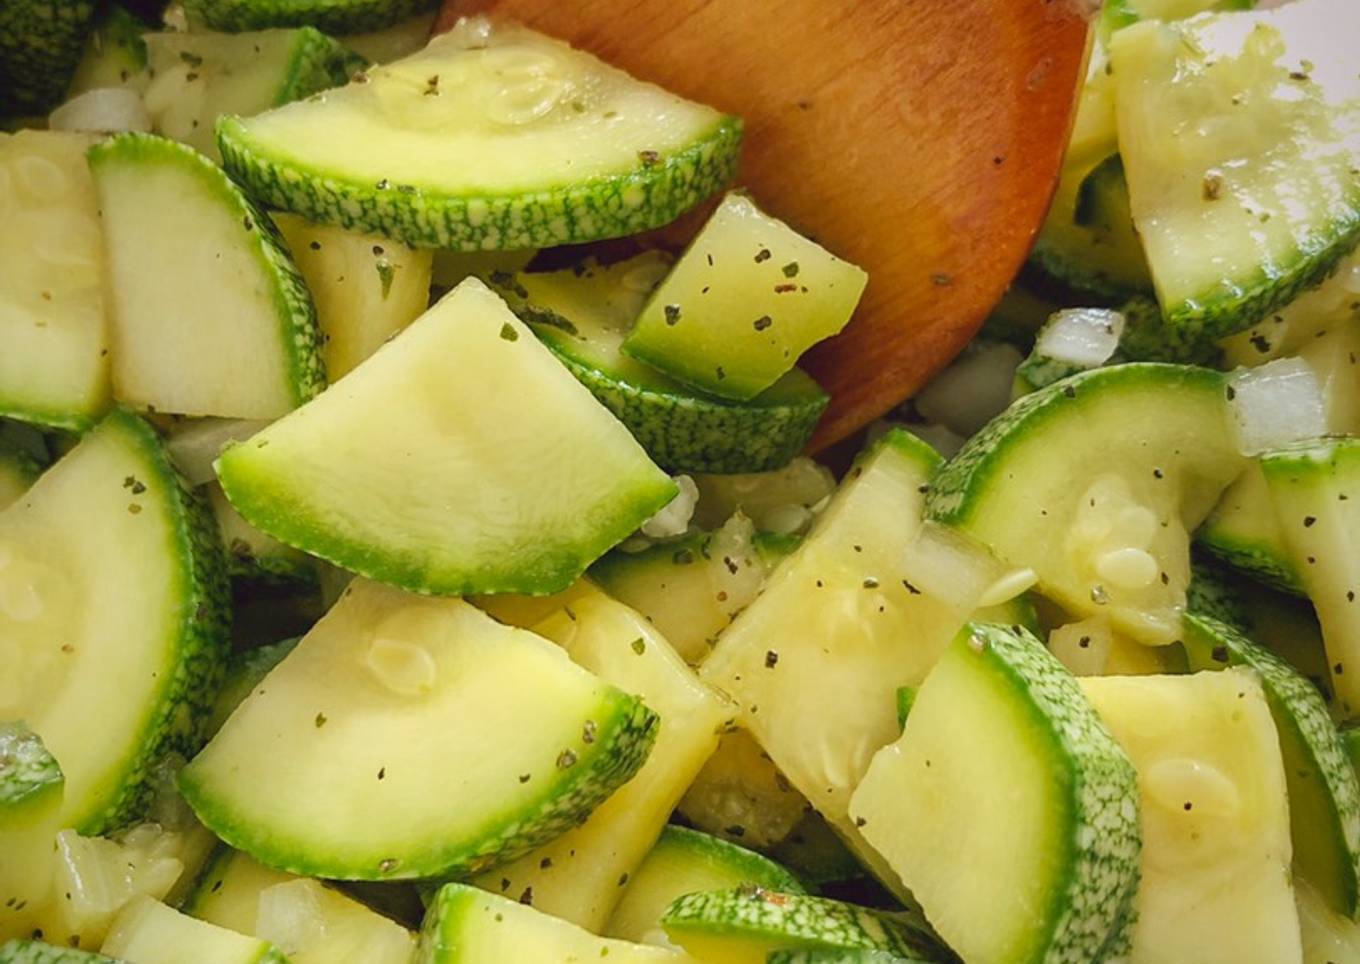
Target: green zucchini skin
<point x="41" y="42"/>
<point x="614" y="206"/>
<point x="332" y="16"/>
<point x="30" y="777"/>
<point x="36" y="952"/>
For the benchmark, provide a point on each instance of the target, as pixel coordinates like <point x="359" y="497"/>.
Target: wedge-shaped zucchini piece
<point x="309" y="922"/>
<point x="747" y="298"/>
<point x="1324" y="795"/>
<point x="1238" y="134"/>
<point x="380" y="687"/>
<point x="490" y="137"/>
<point x="813" y="664"/>
<point x="366" y="288"/>
<point x="1146" y="452"/>
<point x="741" y="926"/>
<point x="1327" y="308"/>
<point x="111" y="530"/>
<point x="176" y="227"/>
<point x="1314" y="487"/>
<point x="198" y="77"/>
<point x="195" y="443"/>
<point x="335" y="16"/>
<point x="1244" y="532"/>
<point x="40" y="46"/>
<point x="149" y="932"/>
<point x="581" y="875"/>
<point x="1213" y="816"/>
<point x="37" y="952"/>
<point x="687" y="862"/>
<point x="583" y="315"/>
<point x="1328" y="937"/>
<point x="251" y="554"/>
<point x="115" y="53"/>
<point x="18" y="471"/>
<point x="31" y="780"/>
<point x="54" y="369"/>
<point x="244" y="670"/>
<point x="838" y="956"/>
<point x="465" y="925"/>
<point x="1043" y="869"/>
<point x="461" y="458"/>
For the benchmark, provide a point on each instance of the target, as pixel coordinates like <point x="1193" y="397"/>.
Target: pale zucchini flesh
<point x="149" y="932"/>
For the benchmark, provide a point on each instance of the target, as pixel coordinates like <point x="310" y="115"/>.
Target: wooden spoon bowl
<point x="921" y="139"/>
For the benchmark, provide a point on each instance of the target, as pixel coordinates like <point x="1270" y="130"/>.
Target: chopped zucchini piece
<point x="196" y="443"/>
<point x="837" y="956"/>
<point x="31" y="780"/>
<point x="148" y="932"/>
<point x="693" y="587"/>
<point x="366" y="288"/>
<point x="310" y="923"/>
<point x="687" y="862"/>
<point x="36" y="952"/>
<point x="253" y="555"/>
<point x="1213" y="814"/>
<point x="18" y="471"/>
<point x="199" y="77"/>
<point x="1237" y="134"/>
<point x="335" y="16"/>
<point x="175" y="227"/>
<point x="1289" y="331"/>
<point x="1328" y="937"/>
<point x="425" y="468"/>
<point x="741" y="796"/>
<point x="741" y="926"/>
<point x="112" y="574"/>
<point x="1045" y="867"/>
<point x="385" y="44"/>
<point x="583" y="315"/>
<point x="581" y="875"/>
<point x="1244" y="532"/>
<point x="244" y="671"/>
<point x="54" y="369"/>
<point x="523" y="143"/>
<point x="1312" y="486"/>
<point x="380" y="687"/>
<point x="40" y="46"/>
<point x="465" y="925"/>
<point x="746" y="299"/>
<point x="1324" y="795"/>
<point x="115" y="53"/>
<point x="780" y="503"/>
<point x="1151" y="450"/>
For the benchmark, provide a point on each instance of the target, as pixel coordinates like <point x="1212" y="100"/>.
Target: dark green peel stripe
<point x="332" y="16"/>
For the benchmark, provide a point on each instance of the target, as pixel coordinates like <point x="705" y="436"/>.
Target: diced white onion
<point x="1008" y="587"/>
<point x="973" y="390"/>
<point x="1081" y="336"/>
<point x="290" y="915"/>
<point x="802" y="484"/>
<point x="1277" y="403"/>
<point x="673" y="519"/>
<point x="948" y="566"/>
<point x="104" y="110"/>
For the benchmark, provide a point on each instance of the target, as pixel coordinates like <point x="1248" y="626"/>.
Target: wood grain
<point x="920" y="139"/>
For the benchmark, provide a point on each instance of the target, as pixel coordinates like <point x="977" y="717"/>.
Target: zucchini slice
<point x="199" y="77"/>
<point x="583" y="314"/>
<point x="175" y="227"/>
<point x="40" y="46"/>
<point x="488" y="138"/>
<point x="838" y="956"/>
<point x="54" y="369"/>
<point x="380" y="687"/>
<point x="366" y="288"/>
<point x="18" y="471"/>
<point x="687" y="862"/>
<point x="462" y="458"/>
<point x="1328" y="937"/>
<point x="149" y="932"/>
<point x="115" y="53"/>
<point x="333" y="16"/>
<point x="1045" y="867"/>
<point x="465" y="925"/>
<point x="743" y="925"/>
<point x="1237" y="132"/>
<point x="1313" y="486"/>
<point x="111" y="530"/>
<point x="581" y="875"/>
<point x="311" y="923"/>
<point x="36" y="952"/>
<point x="251" y="554"/>
<point x="244" y="671"/>
<point x="1214" y="817"/>
<point x="815" y="661"/>
<point x="746" y="299"/>
<point x="1244" y="532"/>
<point x="31" y="780"/>
<point x="1324" y="795"/>
<point x="1094" y="483"/>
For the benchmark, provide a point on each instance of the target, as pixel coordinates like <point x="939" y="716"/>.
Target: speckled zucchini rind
<point x="299" y="336"/>
<point x="40" y="45"/>
<point x="1324" y="795"/>
<point x="37" y="952"/>
<point x="30" y="777"/>
<point x="752" y="917"/>
<point x="332" y="16"/>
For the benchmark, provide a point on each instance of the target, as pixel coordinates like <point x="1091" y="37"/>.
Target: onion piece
<point x="973" y="390"/>
<point x="1275" y="404"/>
<point x="950" y="567"/>
<point x="104" y="110"/>
<point x="673" y="518"/>
<point x="1086" y="337"/>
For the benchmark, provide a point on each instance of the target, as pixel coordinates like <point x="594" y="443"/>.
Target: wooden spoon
<point x="920" y="139"/>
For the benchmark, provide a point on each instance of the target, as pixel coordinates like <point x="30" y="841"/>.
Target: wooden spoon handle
<point x="920" y="139"/>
